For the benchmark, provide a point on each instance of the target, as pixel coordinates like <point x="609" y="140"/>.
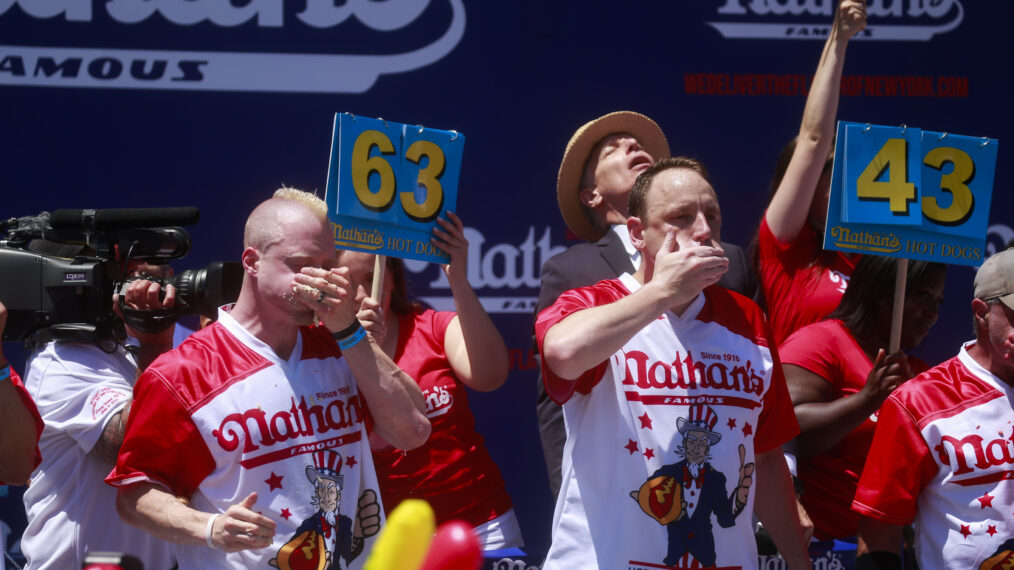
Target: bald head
<point x="287" y="205"/>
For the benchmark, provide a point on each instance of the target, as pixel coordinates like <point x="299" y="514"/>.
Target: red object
<point x="455" y="547"/>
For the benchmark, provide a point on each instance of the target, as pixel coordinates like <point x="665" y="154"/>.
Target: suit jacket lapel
<point x="611" y="248"/>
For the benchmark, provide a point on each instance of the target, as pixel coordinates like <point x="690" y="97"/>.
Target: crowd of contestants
<point x="829" y="314"/>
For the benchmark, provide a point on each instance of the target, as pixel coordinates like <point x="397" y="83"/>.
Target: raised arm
<point x="790" y="205"/>
<point x="475" y="349"/>
<point x="825" y="420"/>
<point x="140" y="295"/>
<point x="394" y="398"/>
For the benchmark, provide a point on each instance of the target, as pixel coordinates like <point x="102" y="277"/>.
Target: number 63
<point x="363" y="165"/>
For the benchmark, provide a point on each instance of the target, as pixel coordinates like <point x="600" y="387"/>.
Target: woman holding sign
<point x="838" y="374"/>
<point x="444" y="352"/>
<point x="801" y="282"/>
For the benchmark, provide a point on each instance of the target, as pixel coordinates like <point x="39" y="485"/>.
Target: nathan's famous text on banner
<point x="387" y="184"/>
<point x="906" y="192"/>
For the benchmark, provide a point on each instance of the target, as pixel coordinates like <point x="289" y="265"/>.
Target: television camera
<point x="59" y="270"/>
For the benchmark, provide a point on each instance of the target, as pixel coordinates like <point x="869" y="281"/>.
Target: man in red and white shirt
<point x="673" y="398"/>
<point x="250" y="436"/>
<point x="943" y="452"/>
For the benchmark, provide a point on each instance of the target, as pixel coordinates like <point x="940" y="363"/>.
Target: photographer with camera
<point x="21" y="426"/>
<point x="83" y="391"/>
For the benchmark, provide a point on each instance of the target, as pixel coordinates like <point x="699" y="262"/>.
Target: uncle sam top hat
<point x="568" y="181"/>
<point x="701" y="418"/>
<point x="327" y="464"/>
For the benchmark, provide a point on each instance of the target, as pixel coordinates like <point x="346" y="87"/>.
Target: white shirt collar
<point x="621" y="231"/>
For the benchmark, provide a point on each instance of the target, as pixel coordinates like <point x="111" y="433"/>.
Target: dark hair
<point x="871" y="288"/>
<point x="400" y="302"/>
<point x="638" y="194"/>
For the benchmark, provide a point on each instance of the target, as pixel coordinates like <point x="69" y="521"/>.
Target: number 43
<point x="898" y="191"/>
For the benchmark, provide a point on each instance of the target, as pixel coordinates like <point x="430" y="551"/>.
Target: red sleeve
<point x="26" y="400"/>
<point x="777" y="423"/>
<point x="161" y="445"/>
<point x="800" y="250"/>
<point x="898" y="468"/>
<point x="807" y="348"/>
<point x="561" y="389"/>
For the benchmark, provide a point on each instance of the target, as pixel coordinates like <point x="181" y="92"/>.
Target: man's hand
<point x="888" y="373"/>
<point x="682" y="270"/>
<point x="240" y="528"/>
<point x="329" y="293"/>
<point x="851" y="18"/>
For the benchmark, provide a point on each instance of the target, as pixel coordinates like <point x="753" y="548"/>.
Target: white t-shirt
<point x="708" y="372"/>
<point x="77" y="388"/>
<point x="222" y="416"/>
<point x="943" y="456"/>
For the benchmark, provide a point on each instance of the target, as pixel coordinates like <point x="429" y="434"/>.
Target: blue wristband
<point x="5" y="373"/>
<point x="353" y="339"/>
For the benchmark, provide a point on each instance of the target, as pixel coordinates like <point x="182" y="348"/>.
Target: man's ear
<point x="636" y="231"/>
<point x="590" y="197"/>
<point x="979" y="310"/>
<point x="250" y="259"/>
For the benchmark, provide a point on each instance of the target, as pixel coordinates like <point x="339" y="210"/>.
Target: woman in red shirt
<point x="444" y="352"/>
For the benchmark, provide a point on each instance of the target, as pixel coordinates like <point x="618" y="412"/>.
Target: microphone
<point x="122" y="218"/>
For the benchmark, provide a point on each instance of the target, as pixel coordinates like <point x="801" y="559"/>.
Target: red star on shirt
<point x="286" y="514"/>
<point x="631" y="446"/>
<point x="965" y="531"/>
<point x="649" y="453"/>
<point x="731" y="423"/>
<point x="351" y="461"/>
<point x="991" y="530"/>
<point x="985" y="501"/>
<point x="645" y="421"/>
<point x="747" y="429"/>
<point x="274" y="481"/>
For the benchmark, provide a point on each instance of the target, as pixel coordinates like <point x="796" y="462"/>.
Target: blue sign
<point x="904" y="192"/>
<point x="387" y="184"/>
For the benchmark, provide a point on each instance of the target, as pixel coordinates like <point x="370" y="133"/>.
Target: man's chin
<point x="304" y="317"/>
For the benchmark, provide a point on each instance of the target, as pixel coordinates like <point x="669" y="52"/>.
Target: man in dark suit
<point x="599" y="167"/>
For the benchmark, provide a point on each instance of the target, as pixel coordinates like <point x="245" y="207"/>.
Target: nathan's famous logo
<point x="685" y="373"/>
<point x="904" y="20"/>
<point x="345" y="236"/>
<point x="974" y="453"/>
<point x="865" y="240"/>
<point x="50" y="62"/>
<point x="268" y="428"/>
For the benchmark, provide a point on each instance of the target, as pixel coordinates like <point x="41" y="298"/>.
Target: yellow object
<point x="405" y="540"/>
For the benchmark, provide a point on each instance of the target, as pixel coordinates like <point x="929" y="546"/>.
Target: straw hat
<point x="568" y="182"/>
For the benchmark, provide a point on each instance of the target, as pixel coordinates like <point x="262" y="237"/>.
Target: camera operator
<point x="83" y="391"/>
<point x="21" y="425"/>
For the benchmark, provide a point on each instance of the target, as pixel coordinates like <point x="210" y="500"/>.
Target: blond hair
<point x="261" y="230"/>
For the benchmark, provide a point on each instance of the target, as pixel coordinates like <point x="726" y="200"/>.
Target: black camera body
<point x="58" y="272"/>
